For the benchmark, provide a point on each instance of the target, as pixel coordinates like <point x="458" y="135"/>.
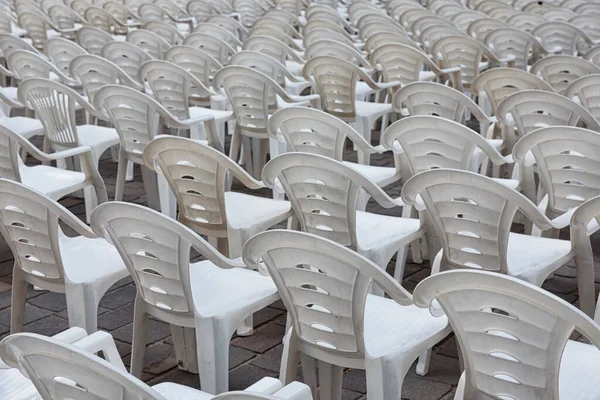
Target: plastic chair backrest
<point x="587" y="23"/>
<point x="265" y="64"/>
<point x="166" y="31"/>
<point x="272" y="47"/>
<point x="587" y="91"/>
<point x="480" y="28"/>
<point x="380" y="39"/>
<point x="62" y="371"/>
<point x="332" y="48"/>
<point x="308" y="130"/>
<point x="533" y="109"/>
<point x="200" y="10"/>
<point x="323" y="285"/>
<point x="126" y="56"/>
<point x="150" y="42"/>
<point x="436" y="99"/>
<point x="152" y="12"/>
<point x="36" y="27"/>
<point x="62" y="17"/>
<point x="464" y="52"/>
<point x="463" y="19"/>
<point x="560" y="70"/>
<point x="10" y="43"/>
<point x="93" y="39"/>
<point x="526" y="21"/>
<point x="472" y="215"/>
<point x="79" y="6"/>
<point x="323" y="193"/>
<point x="219" y="49"/>
<point x="218" y="32"/>
<point x="507" y="42"/>
<point x="511" y="333"/>
<point x="197" y="62"/>
<point x="567" y="159"/>
<point x="433" y="142"/>
<point x="250" y="94"/>
<point x="558" y="35"/>
<point x="100" y="18"/>
<point x="61" y="52"/>
<point x="498" y="83"/>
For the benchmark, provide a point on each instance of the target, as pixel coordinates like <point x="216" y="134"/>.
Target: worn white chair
<point x="514" y="337"/>
<point x="174" y="87"/>
<point x="253" y="97"/>
<point x="83" y="267"/>
<point x="200" y="10"/>
<point x="324" y="194"/>
<point x="526" y="21"/>
<point x="496" y="84"/>
<point x="25" y="64"/>
<point x="335" y="82"/>
<point x="168" y="32"/>
<point x="513" y="43"/>
<point x="584" y="91"/>
<point x="472" y="215"/>
<point x="433" y="34"/>
<point x="470" y="55"/>
<point x="527" y="110"/>
<point x="150" y="42"/>
<point x="123" y="15"/>
<point x="231" y="24"/>
<point x="37" y="28"/>
<point x="128" y="57"/>
<point x="313" y="131"/>
<point x="335" y="320"/>
<point x="380" y="39"/>
<point x="71" y="355"/>
<point x="55" y="105"/>
<point x="93" y="39"/>
<point x="104" y="20"/>
<point x="587" y="24"/>
<point x="61" y="51"/>
<point x="463" y="19"/>
<point x="228" y="218"/>
<point x="562" y="38"/>
<point x="220" y="33"/>
<point x="219" y="49"/>
<point x="276" y="49"/>
<point x="478" y="29"/>
<point x="212" y="296"/>
<point x="560" y="70"/>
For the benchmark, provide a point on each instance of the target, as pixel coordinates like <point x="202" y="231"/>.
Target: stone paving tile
<point x="253" y="357"/>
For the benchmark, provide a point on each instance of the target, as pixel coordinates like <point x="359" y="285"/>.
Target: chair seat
<point x="579" y="371"/>
<point x="382" y="176"/>
<point x="14" y="386"/>
<point x="51" y="181"/>
<point x="392" y="328"/>
<point x="217" y="291"/>
<point x="533" y="258"/>
<point x="10" y="93"/>
<point x="363" y="90"/>
<point x="23" y="126"/>
<point x="374" y="110"/>
<point x="377" y="230"/>
<point x="90" y="260"/>
<point x="174" y="391"/>
<point x="97" y="136"/>
<point x="246" y="211"/>
<point x="219" y="115"/>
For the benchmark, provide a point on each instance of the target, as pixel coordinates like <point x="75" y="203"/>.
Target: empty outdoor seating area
<point x="299" y="199"/>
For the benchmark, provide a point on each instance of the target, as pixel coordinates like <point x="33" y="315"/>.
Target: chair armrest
<point x="102" y="342"/>
<point x="266" y="385"/>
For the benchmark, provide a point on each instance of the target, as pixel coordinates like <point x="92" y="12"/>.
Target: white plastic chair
<point x="514" y="337"/>
<point x="218" y="32"/>
<point x="558" y="14"/>
<point x="308" y="130"/>
<point x="324" y="194"/>
<point x="219" y="49"/>
<point x="335" y="320"/>
<point x="83" y="267"/>
<point x="25" y="64"/>
<point x="37" y="28"/>
<point x="276" y="49"/>
<point x="593" y="55"/>
<point x="64" y="19"/>
<point x="61" y="51"/>
<point x="526" y="21"/>
<point x="231" y="24"/>
<point x="200" y="10"/>
<point x="168" y="32"/>
<point x="587" y="23"/>
<point x="585" y="91"/>
<point x="253" y="97"/>
<point x="380" y="39"/>
<point x="528" y="110"/>
<point x="70" y="354"/>
<point x="560" y="71"/>
<point x="93" y="39"/>
<point x="478" y="29"/>
<point x="561" y="37"/>
<point x="128" y="57"/>
<point x="212" y="296"/>
<point x="102" y="19"/>
<point x="513" y="43"/>
<point x="151" y="43"/>
<point x="472" y="215"/>
<point x="124" y="17"/>
<point x="335" y="81"/>
<point x="496" y="84"/>
<point x="467" y="53"/>
<point x="174" y="87"/>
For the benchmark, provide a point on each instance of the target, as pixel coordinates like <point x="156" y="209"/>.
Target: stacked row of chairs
<point x="488" y="116"/>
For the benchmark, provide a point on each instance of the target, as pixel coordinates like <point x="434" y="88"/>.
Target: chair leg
<point x="151" y="187"/>
<point x="121" y="175"/>
<point x="130" y="172"/>
<point x="386" y="376"/>
<point x="310" y="374"/>
<point x="423" y="364"/>
<point x="247" y="154"/>
<point x="82" y="307"/>
<point x="140" y="331"/>
<point x="364" y="123"/>
<point x="289" y="359"/>
<point x="184" y="341"/>
<point x="18" y="300"/>
<point x="585" y="281"/>
<point x="90" y="200"/>
<point x="401" y="262"/>
<point x="166" y="198"/>
<point x="212" y="338"/>
<point x="330" y="380"/>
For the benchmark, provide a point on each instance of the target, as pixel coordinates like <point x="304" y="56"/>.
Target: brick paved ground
<point x="251" y="358"/>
